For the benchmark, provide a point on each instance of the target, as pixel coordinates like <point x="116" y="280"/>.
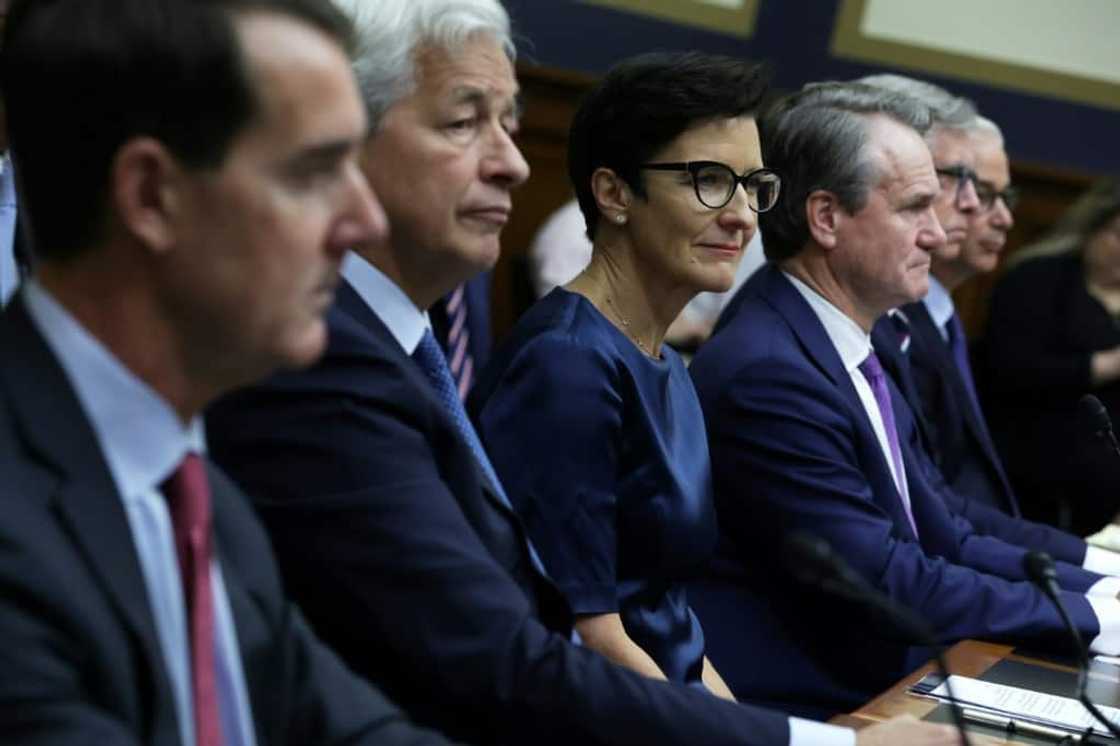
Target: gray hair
<point x="946" y="110"/>
<point x="390" y="33"/>
<point x="817" y="139"/>
<point x="987" y="126"/>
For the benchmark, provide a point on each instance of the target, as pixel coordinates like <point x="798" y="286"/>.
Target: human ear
<point x="822" y="213"/>
<point x="612" y="195"/>
<point x="146" y="184"/>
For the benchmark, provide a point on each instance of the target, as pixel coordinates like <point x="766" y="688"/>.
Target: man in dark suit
<point x="808" y="434"/>
<point x="939" y="356"/>
<point x="192" y="181"/>
<point x="390" y="524"/>
<point x="927" y="358"/>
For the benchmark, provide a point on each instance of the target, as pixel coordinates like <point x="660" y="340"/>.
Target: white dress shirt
<point x="143" y="441"/>
<point x="9" y="272"/>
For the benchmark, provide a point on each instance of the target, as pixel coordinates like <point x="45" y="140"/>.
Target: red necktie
<point x="188" y="496"/>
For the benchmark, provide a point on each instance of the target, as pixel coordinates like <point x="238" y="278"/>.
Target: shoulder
<point x="560" y="344"/>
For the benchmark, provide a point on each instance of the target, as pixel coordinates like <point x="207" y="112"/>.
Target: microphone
<point x="812" y="561"/>
<point x="1040" y="569"/>
<point x="1093" y="413"/>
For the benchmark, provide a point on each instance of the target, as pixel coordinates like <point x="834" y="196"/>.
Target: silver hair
<point x="817" y="139"/>
<point x="987" y="126"/>
<point x="390" y="33"/>
<point x="947" y="110"/>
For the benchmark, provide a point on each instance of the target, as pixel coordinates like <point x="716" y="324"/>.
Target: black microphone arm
<point x="1095" y="417"/>
<point x="1040" y="569"/>
<point x="813" y="562"/>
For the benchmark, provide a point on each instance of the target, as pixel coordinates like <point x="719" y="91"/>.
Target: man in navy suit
<point x="808" y="434"/>
<point x="922" y="344"/>
<point x="390" y="524"/>
<point x="192" y="182"/>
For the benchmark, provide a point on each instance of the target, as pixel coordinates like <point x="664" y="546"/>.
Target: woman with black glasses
<point x="590" y="420"/>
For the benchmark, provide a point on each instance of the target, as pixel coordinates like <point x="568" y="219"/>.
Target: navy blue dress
<point x="604" y="455"/>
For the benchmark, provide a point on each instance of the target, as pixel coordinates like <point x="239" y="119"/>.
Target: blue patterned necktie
<point x="431" y="360"/>
<point x="872" y="370"/>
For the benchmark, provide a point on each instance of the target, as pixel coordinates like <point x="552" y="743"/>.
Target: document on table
<point x="1023" y="704"/>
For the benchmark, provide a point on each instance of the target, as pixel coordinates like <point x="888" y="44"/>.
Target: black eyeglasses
<point x="715" y="183"/>
<point x="986" y="191"/>
<point x="958" y="176"/>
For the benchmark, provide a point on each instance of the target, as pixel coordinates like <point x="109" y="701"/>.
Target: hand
<point x="909" y="730"/>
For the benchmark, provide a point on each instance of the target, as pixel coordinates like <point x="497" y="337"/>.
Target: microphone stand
<point x="1040" y="569"/>
<point x="813" y="562"/>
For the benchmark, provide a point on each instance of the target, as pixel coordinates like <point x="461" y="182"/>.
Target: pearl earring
<point x="620" y="219"/>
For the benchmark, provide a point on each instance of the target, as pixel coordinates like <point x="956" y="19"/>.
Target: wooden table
<point x="968" y="658"/>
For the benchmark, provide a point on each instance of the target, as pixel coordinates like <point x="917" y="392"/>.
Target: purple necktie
<point x="459" y="358"/>
<point x="958" y="345"/>
<point x="188" y="497"/>
<point x="873" y="371"/>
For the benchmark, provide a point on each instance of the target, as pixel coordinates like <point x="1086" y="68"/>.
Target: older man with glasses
<point x="939" y="356"/>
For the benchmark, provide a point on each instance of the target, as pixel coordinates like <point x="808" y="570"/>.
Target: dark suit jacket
<point x="964" y="448"/>
<point x="80" y="660"/>
<point x="418" y="574"/>
<point x="964" y="501"/>
<point x="793" y="449"/>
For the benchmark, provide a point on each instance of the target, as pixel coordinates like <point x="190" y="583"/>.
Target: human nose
<point x="931" y="235"/>
<point x="1002" y="216"/>
<point x="967" y="198"/>
<point x="503" y="161"/>
<point x="363" y="219"/>
<point x="737" y="214"/>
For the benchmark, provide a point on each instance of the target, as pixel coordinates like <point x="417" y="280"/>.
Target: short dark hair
<point x="643" y="104"/>
<point x="816" y="139"/>
<point x="82" y="77"/>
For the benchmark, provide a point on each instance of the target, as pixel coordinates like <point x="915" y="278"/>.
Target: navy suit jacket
<point x="418" y="574"/>
<point x="963" y="499"/>
<point x="964" y="448"/>
<point x="80" y="660"/>
<point x="793" y="449"/>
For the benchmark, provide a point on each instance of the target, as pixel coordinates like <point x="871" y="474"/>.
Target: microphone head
<point x="1040" y="568"/>
<point x="1094" y="415"/>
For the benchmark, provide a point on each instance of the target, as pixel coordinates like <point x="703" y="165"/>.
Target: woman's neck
<point x="615" y="283"/>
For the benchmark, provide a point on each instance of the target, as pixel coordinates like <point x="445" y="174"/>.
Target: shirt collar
<point x="405" y="321"/>
<point x="139" y="432"/>
<point x="851" y="342"/>
<point x="939" y="303"/>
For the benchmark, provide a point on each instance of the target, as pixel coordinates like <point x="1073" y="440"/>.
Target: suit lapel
<point x="780" y="293"/>
<point x="821" y="352"/>
<point x="959" y="395"/>
<point x="53" y="424"/>
<point x="350" y="303"/>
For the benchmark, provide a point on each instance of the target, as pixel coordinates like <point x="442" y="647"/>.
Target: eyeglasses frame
<point x="693" y="168"/>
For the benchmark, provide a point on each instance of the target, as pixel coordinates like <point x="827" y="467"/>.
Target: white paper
<point x="1024" y="704"/>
